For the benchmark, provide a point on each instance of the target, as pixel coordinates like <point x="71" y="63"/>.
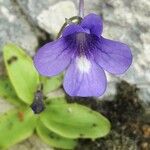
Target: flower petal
<point x="84" y="78"/>
<point x="115" y="57"/>
<point x="52" y="58"/>
<point x="73" y="28"/>
<point x="93" y="23"/>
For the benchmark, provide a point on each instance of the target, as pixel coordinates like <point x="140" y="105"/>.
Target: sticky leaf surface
<point x="54" y="139"/>
<point x="51" y="84"/>
<point x="21" y="71"/>
<point x="75" y="121"/>
<point x="16" y="126"/>
<point x="7" y="92"/>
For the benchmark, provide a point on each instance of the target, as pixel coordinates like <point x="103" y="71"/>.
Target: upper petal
<point x="93" y="23"/>
<point x="72" y="28"/>
<point x="115" y="57"/>
<point x="52" y="58"/>
<point x="84" y="78"/>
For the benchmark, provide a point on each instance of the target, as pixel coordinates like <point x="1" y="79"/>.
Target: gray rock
<point x="49" y="15"/>
<point x="5" y="106"/>
<point x="15" y="28"/>
<point x="56" y="14"/>
<point x="33" y="143"/>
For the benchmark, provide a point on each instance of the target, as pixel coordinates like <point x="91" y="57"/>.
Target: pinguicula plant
<point x="56" y="122"/>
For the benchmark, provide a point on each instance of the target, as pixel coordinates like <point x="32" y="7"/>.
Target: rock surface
<point x="5" y="106"/>
<point x="48" y="15"/>
<point x="33" y="143"/>
<point x="15" y="28"/>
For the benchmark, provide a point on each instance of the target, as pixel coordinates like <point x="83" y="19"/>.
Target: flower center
<point x="83" y="64"/>
<point x="81" y="44"/>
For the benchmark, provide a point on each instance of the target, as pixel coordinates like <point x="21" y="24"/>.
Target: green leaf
<point x="51" y="84"/>
<point x="56" y="100"/>
<point x="75" y="121"/>
<point x="54" y="139"/>
<point x="21" y="71"/>
<point x="16" y="126"/>
<point x="7" y="92"/>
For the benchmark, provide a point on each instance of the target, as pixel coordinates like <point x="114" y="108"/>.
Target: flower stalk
<point x="81" y="8"/>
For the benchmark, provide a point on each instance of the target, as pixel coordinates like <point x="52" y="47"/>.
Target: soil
<point x="129" y="117"/>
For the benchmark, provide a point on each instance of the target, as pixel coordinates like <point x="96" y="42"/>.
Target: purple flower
<point x="85" y="54"/>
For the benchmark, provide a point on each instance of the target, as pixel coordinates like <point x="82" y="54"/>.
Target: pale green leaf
<point x="75" y="121"/>
<point x="56" y="100"/>
<point x="7" y="92"/>
<point x="21" y="71"/>
<point x="54" y="139"/>
<point x="16" y="126"/>
<point x="51" y="84"/>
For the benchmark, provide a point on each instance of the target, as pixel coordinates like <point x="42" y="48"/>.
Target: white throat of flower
<point x="83" y="64"/>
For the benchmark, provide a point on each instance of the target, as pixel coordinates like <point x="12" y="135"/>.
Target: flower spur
<point x="84" y="54"/>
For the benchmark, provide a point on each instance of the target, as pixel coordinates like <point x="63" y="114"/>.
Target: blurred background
<point x="32" y="23"/>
